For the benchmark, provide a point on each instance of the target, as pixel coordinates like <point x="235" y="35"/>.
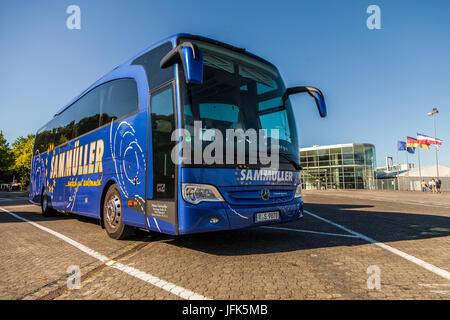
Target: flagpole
<point x="397" y="156"/>
<point x="436" y="147"/>
<point x="420" y="170"/>
<point x="398" y="170"/>
<point x="407" y="165"/>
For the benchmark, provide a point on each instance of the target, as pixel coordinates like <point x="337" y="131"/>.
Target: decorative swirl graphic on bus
<point x="128" y="157"/>
<point x="39" y="169"/>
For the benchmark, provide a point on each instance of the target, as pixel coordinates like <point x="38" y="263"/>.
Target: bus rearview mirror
<point x="313" y="92"/>
<point x="191" y="58"/>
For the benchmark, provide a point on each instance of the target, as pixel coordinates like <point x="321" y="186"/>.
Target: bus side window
<point x="64" y="130"/>
<point x="39" y="143"/>
<point x="87" y="112"/>
<point x="44" y="138"/>
<point x="150" y="61"/>
<point x="120" y="99"/>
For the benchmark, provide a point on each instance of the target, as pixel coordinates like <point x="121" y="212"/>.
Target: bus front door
<point x="161" y="176"/>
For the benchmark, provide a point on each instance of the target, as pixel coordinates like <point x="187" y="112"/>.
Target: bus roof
<point x="173" y="39"/>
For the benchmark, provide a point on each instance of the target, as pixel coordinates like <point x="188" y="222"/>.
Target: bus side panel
<point x="128" y="146"/>
<point x="131" y="166"/>
<point x="123" y="161"/>
<point x="38" y="177"/>
<point x="58" y="193"/>
<point x="88" y="186"/>
<point x="158" y="225"/>
<point x="75" y="183"/>
<point x="76" y="173"/>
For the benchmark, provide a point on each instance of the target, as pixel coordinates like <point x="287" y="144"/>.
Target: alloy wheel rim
<point x="113" y="211"/>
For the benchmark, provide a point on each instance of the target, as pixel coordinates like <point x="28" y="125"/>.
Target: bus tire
<point x="112" y="215"/>
<point x="46" y="210"/>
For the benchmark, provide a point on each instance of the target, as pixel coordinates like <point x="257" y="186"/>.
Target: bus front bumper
<point x="215" y="216"/>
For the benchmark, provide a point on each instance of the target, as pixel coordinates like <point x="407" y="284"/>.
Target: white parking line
<point x="11" y="199"/>
<point x="430" y="285"/>
<point x="409" y="202"/>
<point x="440" y="272"/>
<point x="311" y="231"/>
<point x="167" y="286"/>
<point x="438" y="285"/>
<point x="412" y="202"/>
<point x="440" y="291"/>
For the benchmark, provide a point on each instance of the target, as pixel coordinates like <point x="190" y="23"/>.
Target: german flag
<point x="412" y="142"/>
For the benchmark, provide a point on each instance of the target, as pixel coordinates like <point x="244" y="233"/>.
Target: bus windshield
<point x="239" y="92"/>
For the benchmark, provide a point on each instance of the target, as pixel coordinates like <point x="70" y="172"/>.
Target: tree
<point x="5" y="159"/>
<point x="22" y="150"/>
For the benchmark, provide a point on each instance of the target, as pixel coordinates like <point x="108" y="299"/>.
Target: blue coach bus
<point x="109" y="154"/>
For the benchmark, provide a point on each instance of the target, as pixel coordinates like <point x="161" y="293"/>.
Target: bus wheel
<point x="46" y="210"/>
<point x="112" y="215"/>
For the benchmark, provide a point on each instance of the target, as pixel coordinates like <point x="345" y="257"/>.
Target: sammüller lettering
<point x="81" y="160"/>
<point x="266" y="175"/>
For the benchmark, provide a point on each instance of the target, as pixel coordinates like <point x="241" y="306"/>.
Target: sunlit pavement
<point x="349" y="245"/>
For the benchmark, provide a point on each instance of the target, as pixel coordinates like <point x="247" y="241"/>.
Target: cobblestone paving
<point x="256" y="263"/>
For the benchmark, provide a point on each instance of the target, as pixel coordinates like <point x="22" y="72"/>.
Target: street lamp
<point x="433" y="113"/>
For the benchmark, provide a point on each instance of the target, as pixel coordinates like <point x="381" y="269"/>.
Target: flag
<point x="411" y="149"/>
<point x="401" y="146"/>
<point x="411" y="142"/>
<point x="424" y="139"/>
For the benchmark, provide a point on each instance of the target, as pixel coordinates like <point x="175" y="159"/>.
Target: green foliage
<point x="5" y="159"/>
<point x="22" y="150"/>
<point x="15" y="160"/>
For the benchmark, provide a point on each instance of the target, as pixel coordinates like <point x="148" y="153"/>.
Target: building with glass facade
<point x="341" y="166"/>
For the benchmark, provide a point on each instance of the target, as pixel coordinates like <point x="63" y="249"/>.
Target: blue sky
<point x="379" y="84"/>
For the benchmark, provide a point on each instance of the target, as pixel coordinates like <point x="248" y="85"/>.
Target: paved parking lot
<point x="346" y="241"/>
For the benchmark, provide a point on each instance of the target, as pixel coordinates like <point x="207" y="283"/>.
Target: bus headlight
<point x="196" y="193"/>
<point x="298" y="192"/>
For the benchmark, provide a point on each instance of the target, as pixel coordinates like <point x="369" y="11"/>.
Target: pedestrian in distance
<point x="431" y="185"/>
<point x="424" y="186"/>
<point x="438" y="185"/>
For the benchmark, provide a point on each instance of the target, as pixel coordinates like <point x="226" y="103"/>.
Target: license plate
<point x="267" y="216"/>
